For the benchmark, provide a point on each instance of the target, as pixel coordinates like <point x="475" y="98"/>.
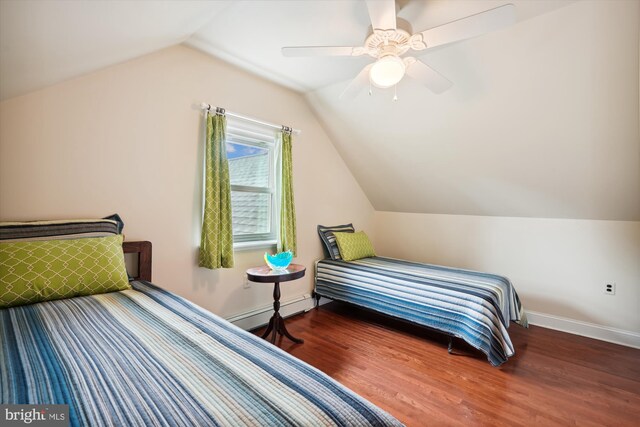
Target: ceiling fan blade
<point x="382" y="14"/>
<point x="356" y="85"/>
<point x="321" y="51"/>
<point x="426" y="75"/>
<point x="471" y="26"/>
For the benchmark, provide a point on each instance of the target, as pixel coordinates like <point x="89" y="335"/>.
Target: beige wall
<point x="128" y="139"/>
<point x="558" y="266"/>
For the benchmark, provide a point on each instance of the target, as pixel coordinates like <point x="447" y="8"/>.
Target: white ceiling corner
<point x="251" y="34"/>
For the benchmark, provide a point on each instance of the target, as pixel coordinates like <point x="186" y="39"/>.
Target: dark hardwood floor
<point x="555" y="379"/>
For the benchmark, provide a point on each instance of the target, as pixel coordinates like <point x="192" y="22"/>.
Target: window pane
<point x="248" y="165"/>
<point x="250" y="212"/>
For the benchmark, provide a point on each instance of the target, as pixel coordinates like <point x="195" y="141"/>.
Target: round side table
<point x="265" y="275"/>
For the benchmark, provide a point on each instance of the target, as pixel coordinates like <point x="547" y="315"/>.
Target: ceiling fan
<point x="388" y="43"/>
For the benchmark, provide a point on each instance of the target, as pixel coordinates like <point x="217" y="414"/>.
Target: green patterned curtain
<point x="216" y="244"/>
<point x="287" y="207"/>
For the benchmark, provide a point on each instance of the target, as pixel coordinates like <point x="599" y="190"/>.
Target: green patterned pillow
<point x="354" y="245"/>
<point x="46" y="270"/>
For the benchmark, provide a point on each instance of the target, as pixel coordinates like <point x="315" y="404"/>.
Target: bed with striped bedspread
<point x="476" y="307"/>
<point x="146" y="357"/>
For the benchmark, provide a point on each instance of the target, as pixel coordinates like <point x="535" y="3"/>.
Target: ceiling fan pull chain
<point x="370" y="91"/>
<point x="395" y="92"/>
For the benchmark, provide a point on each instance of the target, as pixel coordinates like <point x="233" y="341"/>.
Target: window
<point x="252" y="161"/>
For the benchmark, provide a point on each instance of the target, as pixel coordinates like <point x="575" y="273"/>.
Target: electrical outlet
<point x="246" y="284"/>
<point x="610" y="288"/>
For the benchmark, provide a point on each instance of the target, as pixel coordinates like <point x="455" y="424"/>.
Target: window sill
<point x="248" y="246"/>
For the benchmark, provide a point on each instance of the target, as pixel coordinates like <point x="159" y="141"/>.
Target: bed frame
<point x="143" y="251"/>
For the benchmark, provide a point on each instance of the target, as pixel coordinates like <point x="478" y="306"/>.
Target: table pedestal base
<point x="276" y="323"/>
<point x="276" y="326"/>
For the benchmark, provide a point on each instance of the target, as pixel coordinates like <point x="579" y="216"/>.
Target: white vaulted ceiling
<point x="542" y="119"/>
<point x="251" y="33"/>
<point x="43" y="42"/>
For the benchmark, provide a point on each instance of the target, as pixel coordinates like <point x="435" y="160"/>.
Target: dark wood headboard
<point x="143" y="249"/>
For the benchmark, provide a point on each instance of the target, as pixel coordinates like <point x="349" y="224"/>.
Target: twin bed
<point x="473" y="306"/>
<point x="145" y="357"/>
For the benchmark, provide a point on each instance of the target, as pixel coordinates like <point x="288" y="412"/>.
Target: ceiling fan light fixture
<point x="387" y="71"/>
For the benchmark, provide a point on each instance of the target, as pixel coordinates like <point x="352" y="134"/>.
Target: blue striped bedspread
<point x="476" y="307"/>
<point x="147" y="357"/>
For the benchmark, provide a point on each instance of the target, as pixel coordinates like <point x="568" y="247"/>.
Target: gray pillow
<point x="329" y="240"/>
<point x="61" y="229"/>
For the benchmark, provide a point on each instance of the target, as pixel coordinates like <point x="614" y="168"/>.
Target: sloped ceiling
<point x="43" y="42"/>
<point x="250" y="34"/>
<point x="542" y="120"/>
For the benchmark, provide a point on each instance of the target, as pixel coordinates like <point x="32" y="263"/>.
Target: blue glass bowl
<point x="279" y="261"/>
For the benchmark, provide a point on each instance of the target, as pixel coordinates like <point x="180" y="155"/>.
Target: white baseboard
<point x="260" y="316"/>
<point x="586" y="329"/>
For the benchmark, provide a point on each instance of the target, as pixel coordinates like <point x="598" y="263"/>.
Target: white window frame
<point x="261" y="137"/>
